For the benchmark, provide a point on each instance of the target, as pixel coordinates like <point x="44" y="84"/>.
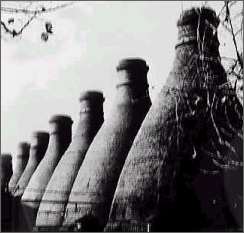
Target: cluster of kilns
<point x="173" y="165"/>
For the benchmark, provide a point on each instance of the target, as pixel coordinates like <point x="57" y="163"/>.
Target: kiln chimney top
<point x="23" y="149"/>
<point x="61" y="118"/>
<point x="191" y="16"/>
<point x="40" y="134"/>
<point x="92" y="95"/>
<point x="132" y="64"/>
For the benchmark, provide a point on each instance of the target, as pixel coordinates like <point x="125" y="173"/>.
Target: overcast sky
<point x="40" y="79"/>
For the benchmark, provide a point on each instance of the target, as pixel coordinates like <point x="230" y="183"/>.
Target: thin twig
<point x="233" y="35"/>
<point x="238" y="31"/>
<point x="225" y="26"/>
<point x="26" y="24"/>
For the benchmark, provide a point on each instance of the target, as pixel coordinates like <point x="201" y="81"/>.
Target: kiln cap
<point x="191" y="16"/>
<point x="132" y="64"/>
<point x="6" y="156"/>
<point x="93" y="95"/>
<point x="6" y="159"/>
<point x="58" y="118"/>
<point x="24" y="145"/>
<point x="23" y="149"/>
<point x="40" y="134"/>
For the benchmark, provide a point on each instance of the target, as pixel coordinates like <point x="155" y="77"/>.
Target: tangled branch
<point x="40" y="11"/>
<point x="33" y="12"/>
<point x="13" y="32"/>
<point x="228" y="19"/>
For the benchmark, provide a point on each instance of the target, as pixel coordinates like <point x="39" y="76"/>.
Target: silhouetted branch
<point x="40" y="11"/>
<point x="13" y="32"/>
<point x="225" y="27"/>
<point x="238" y="31"/>
<point x="27" y="11"/>
<point x="6" y="28"/>
<point x="228" y="19"/>
<point x="234" y="40"/>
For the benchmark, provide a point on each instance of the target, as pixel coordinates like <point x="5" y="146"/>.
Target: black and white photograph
<point x="121" y="116"/>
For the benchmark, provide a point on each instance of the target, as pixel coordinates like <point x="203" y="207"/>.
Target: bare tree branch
<point x="225" y="26"/>
<point x="234" y="40"/>
<point x="5" y="27"/>
<point x="228" y="19"/>
<point x="40" y="11"/>
<point x="27" y="11"/>
<point x="238" y="31"/>
<point x="26" y="24"/>
<point x="13" y="32"/>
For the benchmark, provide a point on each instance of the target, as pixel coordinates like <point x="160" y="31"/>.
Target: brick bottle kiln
<point x="174" y="175"/>
<point x="96" y="181"/>
<point x="51" y="210"/>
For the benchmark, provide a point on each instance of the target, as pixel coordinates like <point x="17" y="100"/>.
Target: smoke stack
<point x="186" y="136"/>
<point x="5" y="171"/>
<point x="20" y="162"/>
<point x="96" y="181"/>
<point x="53" y="204"/>
<point x="60" y="138"/>
<point x="6" y="201"/>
